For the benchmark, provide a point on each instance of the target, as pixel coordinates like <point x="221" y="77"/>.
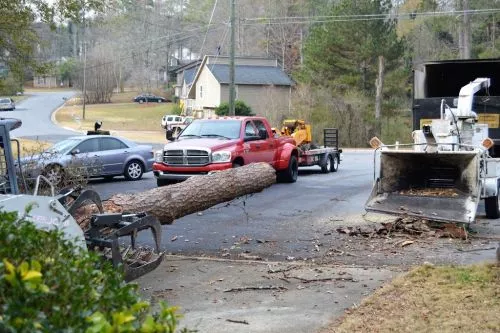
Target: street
<point x="35" y="113"/>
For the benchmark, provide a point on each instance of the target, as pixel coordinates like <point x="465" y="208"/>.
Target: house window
<point x="201" y="91"/>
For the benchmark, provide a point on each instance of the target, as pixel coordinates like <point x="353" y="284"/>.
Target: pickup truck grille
<point x="186" y="157"/>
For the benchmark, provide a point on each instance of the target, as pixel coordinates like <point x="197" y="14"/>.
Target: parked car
<point x="7" y="104"/>
<point x="91" y="156"/>
<point x="143" y="98"/>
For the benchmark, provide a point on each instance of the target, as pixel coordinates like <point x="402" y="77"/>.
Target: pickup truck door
<point x="257" y="147"/>
<point x="267" y="144"/>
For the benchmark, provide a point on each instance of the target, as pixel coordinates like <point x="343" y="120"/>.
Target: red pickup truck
<point x="217" y="144"/>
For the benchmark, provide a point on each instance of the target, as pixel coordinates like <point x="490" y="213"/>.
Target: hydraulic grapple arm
<point x="114" y="234"/>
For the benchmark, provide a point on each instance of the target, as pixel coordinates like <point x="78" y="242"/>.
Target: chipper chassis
<point x="445" y="172"/>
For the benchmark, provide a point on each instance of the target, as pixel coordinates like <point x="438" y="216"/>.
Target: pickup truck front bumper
<point x="163" y="171"/>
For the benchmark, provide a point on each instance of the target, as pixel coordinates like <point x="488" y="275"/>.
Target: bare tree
<point x="100" y="80"/>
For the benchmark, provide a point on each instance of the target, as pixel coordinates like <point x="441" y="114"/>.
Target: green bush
<point x="9" y="86"/>
<point x="240" y="109"/>
<point x="46" y="285"/>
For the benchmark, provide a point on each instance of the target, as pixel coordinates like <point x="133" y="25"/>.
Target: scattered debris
<point x="250" y="257"/>
<point x="238" y="321"/>
<point x="406" y="243"/>
<point x="255" y="288"/>
<point x="304" y="280"/>
<point x="414" y="226"/>
<point x="173" y="239"/>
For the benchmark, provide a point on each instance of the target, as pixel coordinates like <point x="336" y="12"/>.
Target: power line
<point x="135" y="54"/>
<point x="208" y="27"/>
<point x="361" y="17"/>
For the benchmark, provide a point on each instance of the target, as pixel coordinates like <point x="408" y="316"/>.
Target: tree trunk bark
<point x="195" y="194"/>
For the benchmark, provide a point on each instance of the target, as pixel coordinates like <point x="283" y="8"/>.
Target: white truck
<point x="444" y="173"/>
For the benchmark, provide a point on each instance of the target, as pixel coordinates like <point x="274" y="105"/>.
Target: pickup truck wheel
<point x="237" y="165"/>
<point x="335" y="164"/>
<point x="163" y="182"/>
<point x="491" y="207"/>
<point x="291" y="173"/>
<point x="327" y="167"/>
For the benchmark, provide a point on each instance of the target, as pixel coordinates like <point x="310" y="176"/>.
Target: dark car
<point x="95" y="155"/>
<point x="143" y="98"/>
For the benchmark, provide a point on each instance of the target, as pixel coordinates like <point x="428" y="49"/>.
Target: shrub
<point x="47" y="285"/>
<point x="240" y="109"/>
<point x="9" y="86"/>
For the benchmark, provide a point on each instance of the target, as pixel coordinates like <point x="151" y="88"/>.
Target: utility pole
<point x="84" y="63"/>
<point x="231" y="62"/>
<point x="84" y="76"/>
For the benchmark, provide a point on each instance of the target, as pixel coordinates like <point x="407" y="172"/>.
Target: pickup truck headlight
<point x="221" y="156"/>
<point x="159" y="156"/>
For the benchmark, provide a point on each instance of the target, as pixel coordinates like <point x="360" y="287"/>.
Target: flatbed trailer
<point x="328" y="157"/>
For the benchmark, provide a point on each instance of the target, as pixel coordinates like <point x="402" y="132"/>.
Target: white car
<point x="169" y="119"/>
<point x="7" y="104"/>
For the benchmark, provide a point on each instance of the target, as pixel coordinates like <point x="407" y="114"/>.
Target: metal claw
<point x="87" y="195"/>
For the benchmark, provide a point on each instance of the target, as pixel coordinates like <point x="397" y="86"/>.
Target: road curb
<point x="55" y="122"/>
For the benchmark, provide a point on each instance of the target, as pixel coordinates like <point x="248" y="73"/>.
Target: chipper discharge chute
<point x="443" y="186"/>
<point x="444" y="173"/>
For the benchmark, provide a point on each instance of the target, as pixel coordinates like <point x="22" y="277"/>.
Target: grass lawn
<point x="431" y="299"/>
<point x="138" y="122"/>
<point x="29" y="147"/>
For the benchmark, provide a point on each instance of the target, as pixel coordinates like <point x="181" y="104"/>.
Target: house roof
<point x="189" y="75"/>
<point x="251" y="75"/>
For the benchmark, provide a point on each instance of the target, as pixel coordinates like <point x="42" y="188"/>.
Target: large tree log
<point x="195" y="194"/>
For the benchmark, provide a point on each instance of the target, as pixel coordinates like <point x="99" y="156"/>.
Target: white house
<point x="259" y="82"/>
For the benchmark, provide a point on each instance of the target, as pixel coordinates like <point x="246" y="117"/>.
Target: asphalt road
<point x="284" y="215"/>
<point x="35" y="112"/>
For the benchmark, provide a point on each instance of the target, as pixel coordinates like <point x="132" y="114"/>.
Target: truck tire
<point x="491" y="207"/>
<point x="327" y="166"/>
<point x="163" y="182"/>
<point x="290" y="174"/>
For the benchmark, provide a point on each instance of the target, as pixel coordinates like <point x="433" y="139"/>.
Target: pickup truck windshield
<point x="229" y="129"/>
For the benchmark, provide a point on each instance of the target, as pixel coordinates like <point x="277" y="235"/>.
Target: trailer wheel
<point x="491" y="207"/>
<point x="335" y="163"/>
<point x="327" y="167"/>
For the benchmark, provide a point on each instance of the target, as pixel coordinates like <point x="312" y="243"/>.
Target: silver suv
<point x="7" y="104"/>
<point x="171" y="120"/>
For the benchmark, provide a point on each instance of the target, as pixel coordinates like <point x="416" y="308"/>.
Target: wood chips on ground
<point x="431" y="192"/>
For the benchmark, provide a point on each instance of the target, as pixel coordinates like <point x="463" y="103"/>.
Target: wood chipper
<point x="444" y="173"/>
<point x="113" y="235"/>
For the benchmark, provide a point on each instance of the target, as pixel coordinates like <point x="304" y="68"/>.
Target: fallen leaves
<point x="406" y="225"/>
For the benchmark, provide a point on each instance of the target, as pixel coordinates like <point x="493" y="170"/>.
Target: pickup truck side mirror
<point x="251" y="138"/>
<point x="75" y="151"/>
